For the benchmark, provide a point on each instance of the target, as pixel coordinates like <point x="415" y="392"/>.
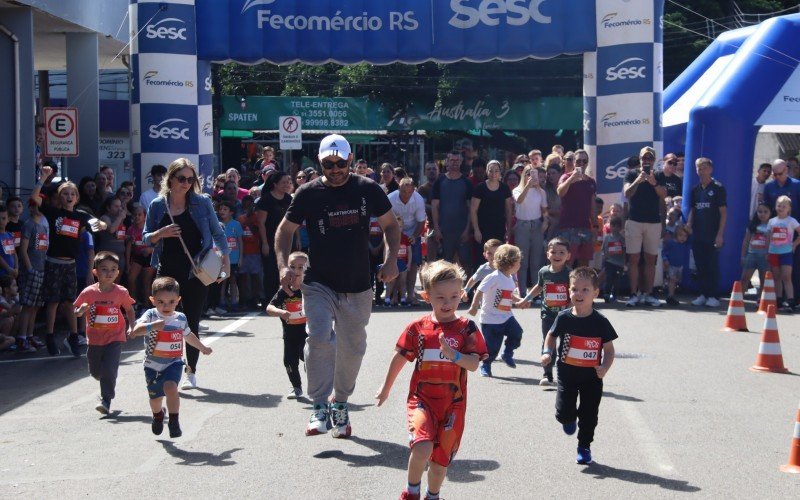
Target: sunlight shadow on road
<point x="198" y="458"/>
<point x="622" y="397"/>
<point x="116" y="417"/>
<point x="600" y="471"/>
<point x="235" y="398"/>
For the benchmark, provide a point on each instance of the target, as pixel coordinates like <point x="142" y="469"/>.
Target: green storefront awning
<point x="240" y="134"/>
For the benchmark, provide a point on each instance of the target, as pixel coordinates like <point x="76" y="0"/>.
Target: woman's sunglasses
<point x="185" y="180"/>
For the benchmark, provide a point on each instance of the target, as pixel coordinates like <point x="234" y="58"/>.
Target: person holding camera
<point x="645" y="196"/>
<point x="577" y="191"/>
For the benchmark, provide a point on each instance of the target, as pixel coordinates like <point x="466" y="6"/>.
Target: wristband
<point x="457" y="357"/>
<point x="39" y="183"/>
<point x="547" y="351"/>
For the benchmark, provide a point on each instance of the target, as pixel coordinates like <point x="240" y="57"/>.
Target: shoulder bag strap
<point x="180" y="238"/>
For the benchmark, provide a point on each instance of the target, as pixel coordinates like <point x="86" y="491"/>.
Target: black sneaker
<point x="673" y="301"/>
<point x="52" y="348"/>
<point x="74" y="345"/>
<point x="157" y="426"/>
<point x="785" y="306"/>
<point x="174" y="429"/>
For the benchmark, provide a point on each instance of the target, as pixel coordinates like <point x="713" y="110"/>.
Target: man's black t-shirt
<point x="337" y="220"/>
<point x="65" y="231"/>
<point x="295" y="327"/>
<point x="275" y="209"/>
<point x="673" y="183"/>
<point x="706" y="204"/>
<point x="581" y="342"/>
<point x="645" y="203"/>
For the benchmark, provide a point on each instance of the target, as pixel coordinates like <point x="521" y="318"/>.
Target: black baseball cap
<point x="158" y="170"/>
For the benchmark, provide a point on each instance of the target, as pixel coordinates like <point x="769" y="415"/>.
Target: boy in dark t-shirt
<point x="289" y="308"/>
<point x="585" y="354"/>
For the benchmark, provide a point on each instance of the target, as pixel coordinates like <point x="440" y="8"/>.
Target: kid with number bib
<point x="585" y="354"/>
<point x="103" y="304"/>
<point x="553" y="285"/>
<point x="781" y="250"/>
<point x="613" y="258"/>
<point x="754" y="246"/>
<point x="496" y="298"/>
<point x="289" y="308"/>
<point x="442" y="347"/>
<point x="164" y="330"/>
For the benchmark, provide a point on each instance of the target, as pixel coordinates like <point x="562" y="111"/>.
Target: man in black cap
<point x="157" y="173"/>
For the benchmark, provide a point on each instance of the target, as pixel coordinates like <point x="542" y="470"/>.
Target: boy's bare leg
<point x="156" y="405"/>
<point x="420" y="453"/>
<point x="173" y="399"/>
<point x="436" y="474"/>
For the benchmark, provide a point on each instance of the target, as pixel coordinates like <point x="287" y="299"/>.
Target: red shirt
<point x="420" y="342"/>
<point x="105" y="322"/>
<point x="251" y="241"/>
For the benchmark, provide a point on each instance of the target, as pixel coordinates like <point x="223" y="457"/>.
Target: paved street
<point x="681" y="415"/>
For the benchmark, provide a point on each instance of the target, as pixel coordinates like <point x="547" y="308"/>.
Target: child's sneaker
<point x="74" y="345"/>
<point x="295" y="393"/>
<point x="508" y="359"/>
<point x="174" y="428"/>
<point x="24" y="346"/>
<point x="35" y="342"/>
<point x="320" y="422"/>
<point x="103" y="406"/>
<point x="671" y="300"/>
<point x="340" y="417"/>
<point x="570" y="428"/>
<point x="584" y="456"/>
<point x="486" y="370"/>
<point x="405" y="495"/>
<point x="190" y="382"/>
<point x="546" y="382"/>
<point x="157" y="425"/>
<point x="82" y="340"/>
<point x="52" y="348"/>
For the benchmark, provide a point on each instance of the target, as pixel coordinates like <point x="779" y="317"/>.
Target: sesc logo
<point x="490" y="13"/>
<point x="167" y="29"/>
<point x="207" y="84"/>
<point x="629" y="69"/>
<point x="617" y="171"/>
<point x="174" y="132"/>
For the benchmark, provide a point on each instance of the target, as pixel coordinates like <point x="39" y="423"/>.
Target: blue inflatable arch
<point x="745" y="80"/>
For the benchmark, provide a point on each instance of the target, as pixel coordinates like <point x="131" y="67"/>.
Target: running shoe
<point x="649" y="300"/>
<point x="320" y="421"/>
<point x="295" y="393"/>
<point x="220" y="311"/>
<point x="508" y="359"/>
<point x="584" y="456"/>
<point x="673" y="301"/>
<point x="633" y="301"/>
<point x="52" y="348"/>
<point x="24" y="346"/>
<point x="712" y="302"/>
<point x="570" y="428"/>
<point x="35" y="342"/>
<point x="340" y="419"/>
<point x="74" y="345"/>
<point x="157" y="425"/>
<point x="103" y="406"/>
<point x="405" y="495"/>
<point x="174" y="428"/>
<point x="190" y="382"/>
<point x="699" y="301"/>
<point x="82" y="340"/>
<point x="486" y="370"/>
<point x="546" y="382"/>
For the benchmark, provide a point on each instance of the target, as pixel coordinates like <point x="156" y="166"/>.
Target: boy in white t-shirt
<point x="496" y="298"/>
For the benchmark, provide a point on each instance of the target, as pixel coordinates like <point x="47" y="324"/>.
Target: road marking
<point x="211" y="339"/>
<point x="647" y="439"/>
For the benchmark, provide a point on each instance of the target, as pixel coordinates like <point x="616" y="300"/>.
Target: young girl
<point x="113" y="213"/>
<point x="781" y="249"/>
<point x="754" y="246"/>
<point x="137" y="254"/>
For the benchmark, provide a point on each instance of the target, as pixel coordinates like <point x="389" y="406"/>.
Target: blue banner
<point x="387" y="31"/>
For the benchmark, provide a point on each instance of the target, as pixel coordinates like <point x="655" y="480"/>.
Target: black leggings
<point x="293" y="346"/>
<point x="193" y="300"/>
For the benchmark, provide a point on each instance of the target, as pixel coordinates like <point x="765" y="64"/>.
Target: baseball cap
<point x="158" y="170"/>
<point x="334" y="145"/>
<point x="309" y="171"/>
<point x="268" y="169"/>
<point x="647" y="149"/>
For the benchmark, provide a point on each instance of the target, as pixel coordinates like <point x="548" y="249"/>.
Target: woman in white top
<point x="530" y="202"/>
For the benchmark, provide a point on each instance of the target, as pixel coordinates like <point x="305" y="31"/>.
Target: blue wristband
<point x="457" y="357"/>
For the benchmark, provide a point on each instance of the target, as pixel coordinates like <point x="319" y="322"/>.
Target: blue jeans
<point x="493" y="335"/>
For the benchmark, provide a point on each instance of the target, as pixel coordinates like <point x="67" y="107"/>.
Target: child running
<point x="485" y="269"/>
<point x="165" y="330"/>
<point x="781" y="249"/>
<point x="553" y="285"/>
<point x="289" y="308"/>
<point x="105" y="325"/>
<point x="443" y="347"/>
<point x="585" y="354"/>
<point x="496" y="298"/>
<point x="754" y="246"/>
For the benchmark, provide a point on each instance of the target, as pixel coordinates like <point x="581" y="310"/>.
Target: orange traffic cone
<point x="767" y="294"/>
<point x="735" y="321"/>
<point x="769" y="358"/>
<point x="794" y="451"/>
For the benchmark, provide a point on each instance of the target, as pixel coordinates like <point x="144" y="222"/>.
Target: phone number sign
<point x="61" y="131"/>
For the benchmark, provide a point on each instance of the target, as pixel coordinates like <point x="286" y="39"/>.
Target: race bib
<point x="42" y="242"/>
<point x="69" y="228"/>
<point x="121" y="232"/>
<point x="17" y="238"/>
<point x="296" y="316"/>
<point x="615" y="248"/>
<point x="375" y="228"/>
<point x="503" y="300"/>
<point x="247" y="232"/>
<point x="104" y="317"/>
<point x="583" y="351"/>
<point x="758" y="241"/>
<point x="556" y="295"/>
<point x="434" y="356"/>
<point x="138" y="242"/>
<point x="169" y="344"/>
<point x="780" y="236"/>
<point x="8" y="246"/>
<point x="402" y="253"/>
<point x="232" y="243"/>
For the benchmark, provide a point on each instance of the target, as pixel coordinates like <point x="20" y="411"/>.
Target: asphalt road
<point x="681" y="415"/>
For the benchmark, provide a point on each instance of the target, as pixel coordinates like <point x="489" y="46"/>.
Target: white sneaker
<point x="712" y="302"/>
<point x="320" y="421"/>
<point x="82" y="340"/>
<point x="190" y="382"/>
<point x="220" y="311"/>
<point x="203" y="327"/>
<point x="651" y="301"/>
<point x="545" y="382"/>
<point x="210" y="312"/>
<point x="700" y="301"/>
<point x="633" y="301"/>
<point x="295" y="393"/>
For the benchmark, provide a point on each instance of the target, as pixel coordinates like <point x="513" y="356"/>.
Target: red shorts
<point x="780" y="259"/>
<point x="441" y="425"/>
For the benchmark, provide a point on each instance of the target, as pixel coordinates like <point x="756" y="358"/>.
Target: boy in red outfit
<point x="443" y="347"/>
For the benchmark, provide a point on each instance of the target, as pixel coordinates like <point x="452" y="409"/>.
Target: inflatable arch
<point x="173" y="43"/>
<point x="745" y="80"/>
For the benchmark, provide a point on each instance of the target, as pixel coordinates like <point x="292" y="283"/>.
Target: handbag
<point x="207" y="266"/>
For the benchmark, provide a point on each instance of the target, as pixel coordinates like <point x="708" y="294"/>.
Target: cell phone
<point x="647" y="170"/>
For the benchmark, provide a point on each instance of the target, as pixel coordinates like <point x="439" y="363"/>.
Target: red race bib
<point x="556" y="295"/>
<point x="615" y="248"/>
<point x="8" y="246"/>
<point x="69" y="228"/>
<point x="169" y="344"/>
<point x="105" y="317"/>
<point x="583" y="351"/>
<point x="42" y="242"/>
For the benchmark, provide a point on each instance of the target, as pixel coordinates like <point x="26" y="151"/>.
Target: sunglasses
<point x="672" y="162"/>
<point x="569" y="159"/>
<point x="185" y="180"/>
<point x="327" y="164"/>
<point x="648" y="157"/>
<point x="582" y="162"/>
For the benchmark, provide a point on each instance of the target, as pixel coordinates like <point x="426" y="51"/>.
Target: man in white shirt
<point x="157" y="173"/>
<point x="757" y="188"/>
<point x="409" y="205"/>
